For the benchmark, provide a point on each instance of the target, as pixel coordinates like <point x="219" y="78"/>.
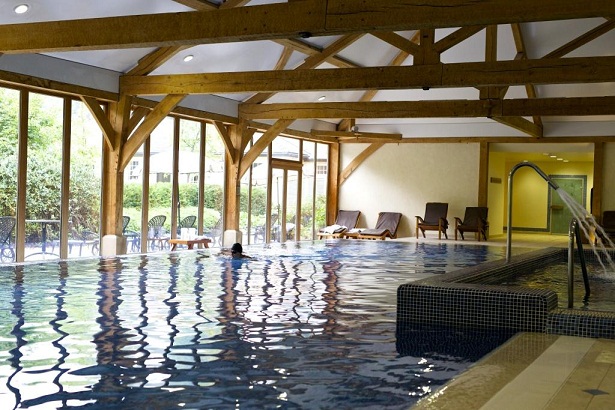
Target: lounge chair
<point x="434" y="220"/>
<point x="474" y="220"/>
<point x="7" y="253"/>
<point x="386" y="227"/>
<point x="345" y="220"/>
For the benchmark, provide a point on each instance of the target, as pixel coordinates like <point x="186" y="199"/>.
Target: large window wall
<point x="57" y="145"/>
<point x="159" y="206"/>
<point x="55" y="213"/>
<point x="283" y="195"/>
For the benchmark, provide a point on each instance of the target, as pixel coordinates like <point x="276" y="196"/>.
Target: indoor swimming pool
<point x="302" y="325"/>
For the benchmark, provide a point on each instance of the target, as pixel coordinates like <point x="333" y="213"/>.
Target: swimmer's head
<point x="236" y="249"/>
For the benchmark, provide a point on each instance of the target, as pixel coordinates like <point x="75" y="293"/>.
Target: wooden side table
<point x="189" y="242"/>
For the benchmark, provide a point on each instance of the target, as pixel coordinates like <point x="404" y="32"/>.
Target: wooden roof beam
<point x="312" y="62"/>
<point x="271" y="21"/>
<point x="521" y="107"/>
<point x="475" y="74"/>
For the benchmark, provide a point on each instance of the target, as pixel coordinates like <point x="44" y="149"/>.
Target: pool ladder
<point x="574" y="233"/>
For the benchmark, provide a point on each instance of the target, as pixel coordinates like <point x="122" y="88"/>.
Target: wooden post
<point x="333" y="182"/>
<point x="483" y="174"/>
<point x="112" y="196"/>
<point x="599" y="180"/>
<point x="232" y="180"/>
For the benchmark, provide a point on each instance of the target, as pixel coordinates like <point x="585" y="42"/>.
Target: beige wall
<point x="496" y="191"/>
<point x="403" y="177"/>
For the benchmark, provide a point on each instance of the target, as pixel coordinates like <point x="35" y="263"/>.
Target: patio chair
<point x="386" y="227"/>
<point x="345" y="220"/>
<point x="261" y="230"/>
<point x="187" y="222"/>
<point x="215" y="233"/>
<point x="132" y="238"/>
<point x="91" y="239"/>
<point x="474" y="220"/>
<point x="155" y="232"/>
<point x="434" y="220"/>
<point x="7" y="252"/>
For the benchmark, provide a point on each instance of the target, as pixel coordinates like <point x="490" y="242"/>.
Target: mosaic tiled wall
<point x="467" y="299"/>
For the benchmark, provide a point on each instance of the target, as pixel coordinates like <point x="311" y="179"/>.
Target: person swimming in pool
<point x="236" y="252"/>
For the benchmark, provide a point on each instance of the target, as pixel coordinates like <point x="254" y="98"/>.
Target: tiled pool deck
<point x="534" y="370"/>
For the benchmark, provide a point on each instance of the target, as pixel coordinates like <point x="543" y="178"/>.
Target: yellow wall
<point x="608" y="195"/>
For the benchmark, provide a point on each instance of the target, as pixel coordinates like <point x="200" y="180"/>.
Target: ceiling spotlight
<point x="566" y="160"/>
<point x="553" y="156"/>
<point x="322" y="98"/>
<point x="189" y="57"/>
<point x="21" y="9"/>
<point x="560" y="159"/>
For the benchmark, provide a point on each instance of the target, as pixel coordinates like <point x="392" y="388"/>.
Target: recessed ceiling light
<point x="546" y="154"/>
<point x="560" y="159"/>
<point x="322" y="98"/>
<point x="21" y="9"/>
<point x="189" y="57"/>
<point x="553" y="156"/>
<point x="566" y="160"/>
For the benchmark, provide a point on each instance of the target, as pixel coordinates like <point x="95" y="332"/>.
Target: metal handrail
<point x="575" y="233"/>
<point x="514" y="169"/>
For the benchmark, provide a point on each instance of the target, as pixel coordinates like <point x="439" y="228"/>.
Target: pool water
<point x="555" y="278"/>
<point x="302" y="325"/>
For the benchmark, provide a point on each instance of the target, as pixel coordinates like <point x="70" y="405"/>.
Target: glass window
<point x="85" y="180"/>
<point x="214" y="185"/>
<point x="9" y="126"/>
<point x="188" y="174"/>
<point x="160" y="186"/>
<point x="44" y="176"/>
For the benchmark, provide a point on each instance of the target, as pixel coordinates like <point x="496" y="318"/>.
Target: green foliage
<point x="132" y="196"/>
<point x="44" y="177"/>
<point x="188" y="195"/>
<point x="214" y="197"/>
<point x="160" y="195"/>
<point x="259" y="200"/>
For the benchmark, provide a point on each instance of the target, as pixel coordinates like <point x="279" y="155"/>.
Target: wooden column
<point x="232" y="180"/>
<point x="483" y="174"/>
<point x="65" y="188"/>
<point x="333" y="178"/>
<point x="22" y="166"/>
<point x="112" y="196"/>
<point x="599" y="180"/>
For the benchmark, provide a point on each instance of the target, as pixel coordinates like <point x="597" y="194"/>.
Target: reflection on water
<point x="298" y="326"/>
